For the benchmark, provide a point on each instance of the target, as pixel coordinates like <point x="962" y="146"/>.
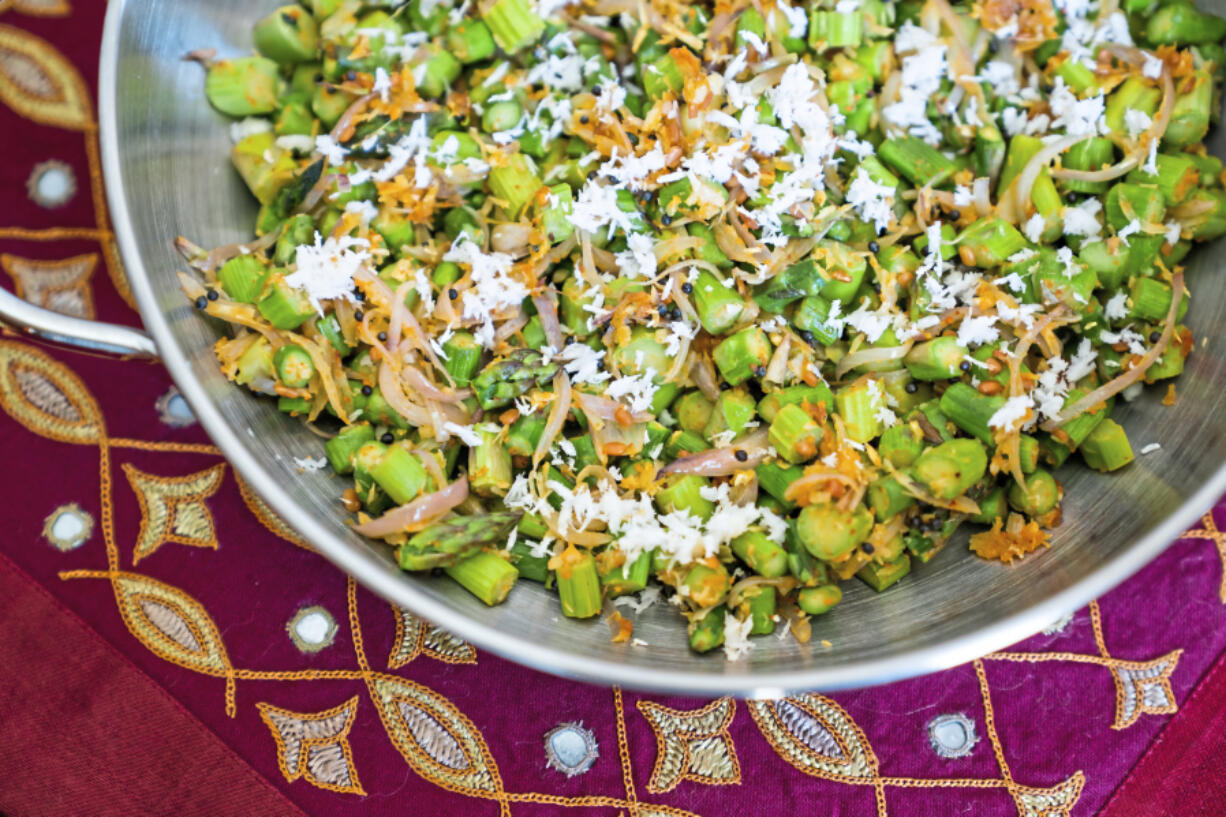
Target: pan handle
<point x="66" y="330"/>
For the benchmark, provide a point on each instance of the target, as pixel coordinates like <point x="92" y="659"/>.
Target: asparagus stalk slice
<point x="515" y="183"/>
<point x="764" y="557"/>
<point x="1107" y="448"/>
<point x="513" y="23"/>
<point x="242" y="278"/>
<point x="818" y="600"/>
<point x="882" y="576"/>
<point x="470" y="41"/>
<point x="1039" y="495"/>
<point x="340" y="450"/>
<point x="888" y="498"/>
<point x="444" y="543"/>
<point x="707" y="633"/>
<point x="1179" y="24"/>
<point x="856" y="405"/>
<point x="629" y="577"/>
<point x="991" y="507"/>
<point x="775" y="479"/>
<point x="684" y="493"/>
<point x="742" y="355"/>
<point x="901" y="444"/>
<point x="758" y="605"/>
<point x="504" y="379"/>
<point x="719" y="306"/>
<point x="246" y="86"/>
<point x="486" y="575"/>
<point x="795" y="434"/>
<point x="819" y="395"/>
<point x="936" y="359"/>
<point x="834" y="29"/>
<point x="489" y="464"/>
<point x="1092" y="154"/>
<point x="828" y="533"/>
<point x="401" y="474"/>
<point x="288" y="35"/>
<point x="533" y="568"/>
<point x="283" y="306"/>
<point x="578" y="583"/>
<point x="693" y="411"/>
<point x="948" y="469"/>
<point x="916" y="161"/>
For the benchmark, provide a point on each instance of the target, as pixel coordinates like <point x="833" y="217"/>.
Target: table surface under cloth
<point x="167" y="647"/>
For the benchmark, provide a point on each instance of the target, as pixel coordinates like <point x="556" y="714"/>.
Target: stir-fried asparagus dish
<point x="722" y="305"/>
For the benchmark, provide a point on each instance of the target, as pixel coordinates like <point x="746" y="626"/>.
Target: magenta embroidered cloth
<point x="117" y="506"/>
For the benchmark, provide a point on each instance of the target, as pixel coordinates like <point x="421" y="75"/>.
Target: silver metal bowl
<point x="165" y="155"/>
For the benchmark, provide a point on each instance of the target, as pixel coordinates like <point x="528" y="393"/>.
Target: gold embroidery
<point x="37" y="8"/>
<point x="1209" y="530"/>
<point x="62" y="286"/>
<point x="815" y="735"/>
<point x="415" y="636"/>
<point x="435" y="738"/>
<point x="267" y="517"/>
<point x="68" y="526"/>
<point x="623" y="749"/>
<point x="45" y="396"/>
<point x="170" y="623"/>
<point x="1057" y="801"/>
<point x="314" y="745"/>
<point x="173" y="509"/>
<point x="692" y="745"/>
<point x="38" y="83"/>
<point x="153" y="445"/>
<point x="54" y="234"/>
<point x="1141" y="687"/>
<point x="114" y="263"/>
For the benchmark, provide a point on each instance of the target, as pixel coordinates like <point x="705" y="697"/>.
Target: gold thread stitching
<point x="62" y="286"/>
<point x="173" y="509"/>
<point x="39" y="83"/>
<point x="276" y="719"/>
<point x="692" y="745"/>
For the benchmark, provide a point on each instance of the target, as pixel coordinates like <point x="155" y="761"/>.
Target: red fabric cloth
<point x="84" y="732"/>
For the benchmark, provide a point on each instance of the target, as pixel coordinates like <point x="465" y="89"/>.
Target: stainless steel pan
<point x="167" y="171"/>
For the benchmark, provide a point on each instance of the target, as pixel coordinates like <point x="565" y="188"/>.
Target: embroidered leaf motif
<point x="1143" y="688"/>
<point x="815" y="735"/>
<point x="692" y="745"/>
<point x="415" y="636"/>
<point x="268" y="518"/>
<point x="45" y="396"/>
<point x="172" y="624"/>
<point x="61" y="286"/>
<point x="436" y="739"/>
<point x="38" y="8"/>
<point x="1058" y="801"/>
<point x="173" y="510"/>
<point x="39" y="84"/>
<point x="314" y="745"/>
